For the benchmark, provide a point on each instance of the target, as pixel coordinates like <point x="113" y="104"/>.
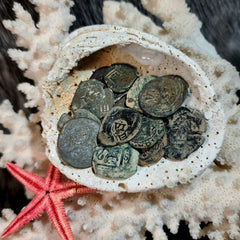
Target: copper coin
<point x="120" y="77"/>
<point x="118" y="162"/>
<point x="161" y="97"/>
<point x="119" y="126"/>
<point x="90" y="95"/>
<point x="77" y="141"/>
<point x="150" y="132"/>
<point x="183" y="133"/>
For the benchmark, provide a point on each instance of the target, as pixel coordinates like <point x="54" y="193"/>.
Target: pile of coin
<point x="120" y="120"/>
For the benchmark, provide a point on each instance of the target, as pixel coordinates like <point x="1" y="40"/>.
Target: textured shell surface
<point x="92" y="47"/>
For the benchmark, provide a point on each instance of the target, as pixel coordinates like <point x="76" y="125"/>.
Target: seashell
<point x="92" y="47"/>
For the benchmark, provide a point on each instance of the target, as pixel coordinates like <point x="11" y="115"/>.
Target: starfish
<point x="49" y="195"/>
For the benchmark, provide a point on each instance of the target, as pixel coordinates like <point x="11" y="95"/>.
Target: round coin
<point x="133" y="93"/>
<point x="99" y="74"/>
<point x="118" y="162"/>
<point x="150" y="132"/>
<point x="120" y="77"/>
<point x="77" y="141"/>
<point x="183" y="133"/>
<point x="84" y="113"/>
<point x="154" y="154"/>
<point x="119" y="126"/>
<point x="162" y="96"/>
<point x="62" y="120"/>
<point x="92" y="96"/>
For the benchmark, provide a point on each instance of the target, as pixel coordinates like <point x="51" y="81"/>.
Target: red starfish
<point x="49" y="195"/>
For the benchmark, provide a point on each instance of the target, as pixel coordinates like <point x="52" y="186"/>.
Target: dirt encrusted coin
<point x="154" y="154"/>
<point x="120" y="125"/>
<point x="120" y="77"/>
<point x="150" y="132"/>
<point x="118" y="162"/>
<point x="133" y="93"/>
<point x="84" y="113"/>
<point x="98" y="74"/>
<point x="163" y="96"/>
<point x="184" y="130"/>
<point x="92" y="96"/>
<point x="62" y="120"/>
<point x="76" y="142"/>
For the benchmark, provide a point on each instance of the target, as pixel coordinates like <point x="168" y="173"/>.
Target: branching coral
<point x="212" y="197"/>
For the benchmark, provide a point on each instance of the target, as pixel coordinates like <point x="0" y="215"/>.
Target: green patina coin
<point x="62" y="120"/>
<point x="84" y="113"/>
<point x="183" y="133"/>
<point x="150" y="132"/>
<point x="98" y="74"/>
<point x="133" y="93"/>
<point x="154" y="154"/>
<point x="162" y="96"/>
<point x="92" y="96"/>
<point x="76" y="142"/>
<point x="118" y="162"/>
<point x="120" y="77"/>
<point x="119" y="126"/>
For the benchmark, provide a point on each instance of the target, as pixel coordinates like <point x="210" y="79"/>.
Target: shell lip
<point x="86" y="41"/>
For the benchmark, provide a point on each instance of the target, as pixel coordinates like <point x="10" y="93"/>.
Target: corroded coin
<point x="120" y="77"/>
<point x="77" y="141"/>
<point x="183" y="133"/>
<point x="161" y="97"/>
<point x="99" y="74"/>
<point x="119" y="126"/>
<point x="154" y="154"/>
<point x="84" y="113"/>
<point x="150" y="132"/>
<point x="62" y="120"/>
<point x="118" y="162"/>
<point x="90" y="95"/>
<point x="133" y="93"/>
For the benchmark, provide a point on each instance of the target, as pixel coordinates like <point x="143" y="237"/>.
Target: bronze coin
<point x="120" y="77"/>
<point x="99" y="74"/>
<point x="62" y="120"/>
<point x="76" y="142"/>
<point x="90" y="95"/>
<point x="118" y="162"/>
<point x="119" y="126"/>
<point x="150" y="132"/>
<point x="183" y="133"/>
<point x="154" y="154"/>
<point x="84" y="113"/>
<point x="161" y="97"/>
<point x="133" y="93"/>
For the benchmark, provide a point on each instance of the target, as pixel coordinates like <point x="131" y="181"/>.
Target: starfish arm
<point x="31" y="211"/>
<point x="56" y="213"/>
<point x="31" y="181"/>
<point x="52" y="177"/>
<point x="70" y="188"/>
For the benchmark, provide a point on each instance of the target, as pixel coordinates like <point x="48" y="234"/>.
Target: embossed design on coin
<point x="90" y="95"/>
<point x="62" y="120"/>
<point x="133" y="93"/>
<point x="154" y="154"/>
<point x="150" y="132"/>
<point x="119" y="162"/>
<point x="163" y="96"/>
<point x="84" y="113"/>
<point x="77" y="141"/>
<point x="120" y="77"/>
<point x="183" y="133"/>
<point x="119" y="126"/>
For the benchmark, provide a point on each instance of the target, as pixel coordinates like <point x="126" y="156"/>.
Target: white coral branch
<point x="24" y="143"/>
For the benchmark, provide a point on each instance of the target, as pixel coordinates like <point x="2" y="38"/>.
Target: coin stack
<point x="121" y="120"/>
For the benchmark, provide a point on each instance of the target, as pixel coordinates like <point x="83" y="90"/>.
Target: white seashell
<point x="79" y="56"/>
